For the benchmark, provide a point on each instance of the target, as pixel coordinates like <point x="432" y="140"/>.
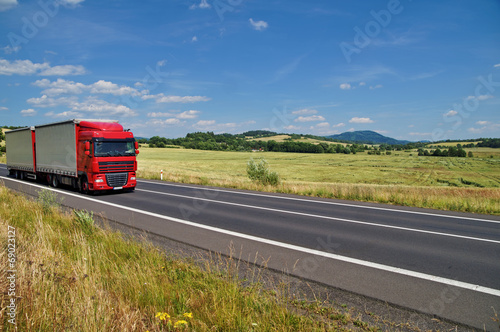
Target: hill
<point x="367" y="137"/>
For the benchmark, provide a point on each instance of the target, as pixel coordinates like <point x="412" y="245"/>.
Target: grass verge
<point x="73" y="276"/>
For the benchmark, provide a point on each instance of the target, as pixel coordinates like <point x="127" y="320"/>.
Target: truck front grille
<point x="116" y="179"/>
<point x="116" y="166"/>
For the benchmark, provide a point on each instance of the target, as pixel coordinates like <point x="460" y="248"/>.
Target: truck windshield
<point x="114" y="148"/>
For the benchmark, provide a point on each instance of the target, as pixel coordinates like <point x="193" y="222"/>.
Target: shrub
<point x="48" y="200"/>
<point x="259" y="171"/>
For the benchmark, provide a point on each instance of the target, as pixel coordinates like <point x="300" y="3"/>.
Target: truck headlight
<point x="99" y="181"/>
<point x="132" y="178"/>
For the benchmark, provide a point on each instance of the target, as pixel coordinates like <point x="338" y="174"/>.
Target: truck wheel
<point x="84" y="186"/>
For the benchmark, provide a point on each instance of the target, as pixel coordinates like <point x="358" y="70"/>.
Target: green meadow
<point x="402" y="178"/>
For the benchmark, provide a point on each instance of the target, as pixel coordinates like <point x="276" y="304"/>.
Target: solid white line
<point x="324" y="217"/>
<point x="441" y="280"/>
<point x="323" y="202"/>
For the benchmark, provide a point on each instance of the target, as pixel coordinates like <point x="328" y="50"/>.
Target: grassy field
<point x="73" y="276"/>
<point x="403" y="178"/>
<point x="284" y="138"/>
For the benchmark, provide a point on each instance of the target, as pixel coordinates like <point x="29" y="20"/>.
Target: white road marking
<point x="324" y="217"/>
<point x="323" y="202"/>
<point x="441" y="280"/>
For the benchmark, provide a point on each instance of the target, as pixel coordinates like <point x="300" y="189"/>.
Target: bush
<point x="260" y="172"/>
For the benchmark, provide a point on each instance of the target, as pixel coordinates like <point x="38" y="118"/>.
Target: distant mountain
<point x="367" y="137"/>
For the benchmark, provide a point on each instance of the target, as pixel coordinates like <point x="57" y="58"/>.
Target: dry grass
<point x="72" y="276"/>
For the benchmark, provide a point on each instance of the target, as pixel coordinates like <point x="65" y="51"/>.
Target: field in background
<point x="284" y="138"/>
<point x="403" y="178"/>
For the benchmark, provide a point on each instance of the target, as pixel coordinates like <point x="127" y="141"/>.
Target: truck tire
<point x="84" y="186"/>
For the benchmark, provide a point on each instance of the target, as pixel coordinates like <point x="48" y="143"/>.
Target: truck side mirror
<point x="136" y="144"/>
<point x="87" y="148"/>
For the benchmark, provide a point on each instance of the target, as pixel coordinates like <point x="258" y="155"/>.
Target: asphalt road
<point x="443" y="263"/>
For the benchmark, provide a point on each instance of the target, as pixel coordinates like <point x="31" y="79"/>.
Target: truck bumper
<point x="113" y="181"/>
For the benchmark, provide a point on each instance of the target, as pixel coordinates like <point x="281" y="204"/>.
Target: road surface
<point x="442" y="263"/>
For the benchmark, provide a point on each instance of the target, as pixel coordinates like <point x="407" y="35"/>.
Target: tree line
<point x="229" y="142"/>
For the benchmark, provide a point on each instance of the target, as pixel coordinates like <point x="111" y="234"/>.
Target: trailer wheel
<point x="54" y="181"/>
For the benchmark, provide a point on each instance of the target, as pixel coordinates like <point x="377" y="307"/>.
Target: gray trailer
<point x="20" y="156"/>
<point x="56" y="148"/>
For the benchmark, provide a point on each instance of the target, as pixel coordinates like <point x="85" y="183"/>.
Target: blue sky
<point x="415" y="70"/>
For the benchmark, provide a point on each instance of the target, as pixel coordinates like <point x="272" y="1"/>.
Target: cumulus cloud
<point x="191" y="114"/>
<point x="310" y="118"/>
<point x="258" y="25"/>
<point x="89" y="105"/>
<point x="26" y="67"/>
<point x="451" y="113"/>
<point x="28" y="112"/>
<point x="378" y="86"/>
<point x="361" y="120"/>
<point x="345" y="86"/>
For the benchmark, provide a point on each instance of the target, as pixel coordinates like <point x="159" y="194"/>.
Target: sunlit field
<point x="403" y="178"/>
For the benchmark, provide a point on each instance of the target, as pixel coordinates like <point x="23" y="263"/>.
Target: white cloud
<point x="163" y="123"/>
<point x="258" y="25"/>
<point x="102" y="107"/>
<point x="66" y="70"/>
<point x="191" y="114"/>
<point x="378" y="86"/>
<point x="305" y="111"/>
<point x="497" y="65"/>
<point x="46" y="101"/>
<point x="292" y="127"/>
<point x="62" y="86"/>
<point x="345" y="86"/>
<point x="161" y="98"/>
<point x="338" y="125"/>
<point x="2" y="108"/>
<point x="361" y="120"/>
<point x="310" y="118"/>
<point x="28" y="112"/>
<point x="362" y="83"/>
<point x="26" y="67"/>
<point x="90" y="105"/>
<point x="7" y="4"/>
<point x="106" y="87"/>
<point x="70" y="3"/>
<point x="65" y="115"/>
<point x="323" y="125"/>
<point x="487" y="127"/>
<point x="451" y="113"/>
<point x="9" y="49"/>
<point x="194" y="39"/>
<point x="160" y="115"/>
<point x="203" y="5"/>
<point x="205" y="123"/>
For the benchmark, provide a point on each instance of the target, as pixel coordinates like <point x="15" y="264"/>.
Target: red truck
<point x="89" y="155"/>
